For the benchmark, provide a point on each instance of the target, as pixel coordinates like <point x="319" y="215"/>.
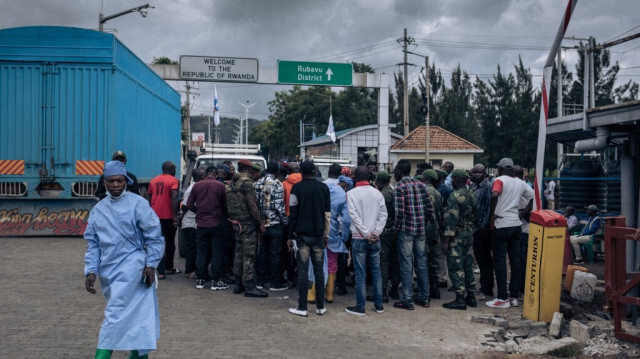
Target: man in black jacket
<point x="101" y="191"/>
<point x="309" y="216"/>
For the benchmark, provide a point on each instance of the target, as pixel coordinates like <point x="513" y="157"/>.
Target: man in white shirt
<point x="368" y="213"/>
<point x="507" y="192"/>
<point x="549" y="195"/>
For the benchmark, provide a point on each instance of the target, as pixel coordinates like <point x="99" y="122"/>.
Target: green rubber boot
<point x="103" y="354"/>
<point x="134" y="355"/>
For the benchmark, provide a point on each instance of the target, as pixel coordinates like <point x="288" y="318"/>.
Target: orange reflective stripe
<point x="89" y="167"/>
<point x="11" y="167"/>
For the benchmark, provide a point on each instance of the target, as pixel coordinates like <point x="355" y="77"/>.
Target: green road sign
<point x="315" y="73"/>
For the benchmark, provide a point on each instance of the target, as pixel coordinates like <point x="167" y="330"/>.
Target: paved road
<point x="46" y="313"/>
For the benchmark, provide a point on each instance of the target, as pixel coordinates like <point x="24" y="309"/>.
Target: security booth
<point x="543" y="280"/>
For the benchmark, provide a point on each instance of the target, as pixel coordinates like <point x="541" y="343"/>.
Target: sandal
<point x="162" y="276"/>
<point x="174" y="271"/>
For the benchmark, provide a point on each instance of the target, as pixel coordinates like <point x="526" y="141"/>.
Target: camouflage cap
<point x="256" y="166"/>
<point x="442" y="173"/>
<point x="418" y="177"/>
<point x="430" y="174"/>
<point x="383" y="175"/>
<point x="459" y="173"/>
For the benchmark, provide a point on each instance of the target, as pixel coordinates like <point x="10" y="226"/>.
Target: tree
<point x="526" y="116"/>
<point x="485" y="113"/>
<point x="163" y="60"/>
<point x="456" y="114"/>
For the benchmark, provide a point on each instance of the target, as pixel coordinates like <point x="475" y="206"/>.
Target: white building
<point x="354" y="143"/>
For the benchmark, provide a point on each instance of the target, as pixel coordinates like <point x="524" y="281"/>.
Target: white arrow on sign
<point x="329" y="73"/>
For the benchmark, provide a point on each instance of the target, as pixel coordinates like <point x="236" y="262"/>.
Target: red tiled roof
<point x="439" y="140"/>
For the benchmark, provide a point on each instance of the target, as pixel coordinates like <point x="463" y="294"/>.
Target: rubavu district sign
<point x="315" y="73"/>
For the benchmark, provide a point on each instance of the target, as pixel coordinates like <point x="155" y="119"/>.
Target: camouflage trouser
<point x="389" y="263"/>
<point x="460" y="263"/>
<point x="433" y="250"/>
<point x="442" y="262"/>
<point x="245" y="256"/>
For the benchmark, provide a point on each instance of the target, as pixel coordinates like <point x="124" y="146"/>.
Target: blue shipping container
<point x="69" y="98"/>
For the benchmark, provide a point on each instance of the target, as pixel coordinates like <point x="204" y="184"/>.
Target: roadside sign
<point x="223" y="69"/>
<point x="315" y="73"/>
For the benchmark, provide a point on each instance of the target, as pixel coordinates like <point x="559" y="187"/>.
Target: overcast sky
<point x="477" y="34"/>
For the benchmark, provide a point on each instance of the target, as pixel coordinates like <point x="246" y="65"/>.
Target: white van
<point x="215" y="154"/>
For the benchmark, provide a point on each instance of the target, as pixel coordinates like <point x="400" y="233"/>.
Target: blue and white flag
<point x="216" y="107"/>
<point x="331" y="132"/>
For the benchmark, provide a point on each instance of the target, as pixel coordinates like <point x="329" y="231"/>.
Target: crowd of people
<point x="285" y="227"/>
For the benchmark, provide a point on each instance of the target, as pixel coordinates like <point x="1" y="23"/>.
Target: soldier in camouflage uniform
<point x="389" y="265"/>
<point x="459" y="225"/>
<point x="247" y="229"/>
<point x="433" y="232"/>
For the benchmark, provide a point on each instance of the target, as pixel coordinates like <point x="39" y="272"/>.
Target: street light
<point x="142" y="9"/>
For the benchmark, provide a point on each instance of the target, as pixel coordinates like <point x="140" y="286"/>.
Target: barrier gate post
<point x="543" y="281"/>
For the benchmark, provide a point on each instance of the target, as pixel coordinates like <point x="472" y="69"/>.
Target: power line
<point x="626" y="32"/>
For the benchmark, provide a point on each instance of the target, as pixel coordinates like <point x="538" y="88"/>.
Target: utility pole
<point x="405" y="98"/>
<point x="426" y="116"/>
<point x="189" y="114"/>
<point x="406" y="40"/>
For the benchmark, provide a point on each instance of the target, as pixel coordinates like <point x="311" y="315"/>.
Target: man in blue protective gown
<point x="124" y="247"/>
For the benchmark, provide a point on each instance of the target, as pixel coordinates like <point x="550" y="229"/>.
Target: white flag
<point x="216" y="107"/>
<point x="331" y="132"/>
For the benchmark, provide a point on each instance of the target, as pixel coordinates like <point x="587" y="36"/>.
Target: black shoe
<point x="355" y="310"/>
<point x="422" y="302"/>
<point x="385" y="298"/>
<point x="238" y="289"/>
<point x="459" y="303"/>
<point x="403" y="305"/>
<point x="434" y="292"/>
<point x="379" y="309"/>
<point x="442" y="284"/>
<point x="393" y="293"/>
<point x="470" y="300"/>
<point x="341" y="291"/>
<point x="255" y="293"/>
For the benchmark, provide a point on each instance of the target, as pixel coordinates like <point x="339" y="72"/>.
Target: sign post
<point x="315" y="73"/>
<point x="223" y="69"/>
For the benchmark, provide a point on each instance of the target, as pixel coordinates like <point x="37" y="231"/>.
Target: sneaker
<point x="200" y="283"/>
<point x="296" y="311"/>
<point x="260" y="285"/>
<point x="422" y="302"/>
<point x="321" y="311"/>
<point x="578" y="262"/>
<point x="513" y="302"/>
<point x="476" y="271"/>
<point x="219" y="285"/>
<point x="379" y="309"/>
<point x="499" y="303"/>
<point x="278" y="286"/>
<point x="355" y="310"/>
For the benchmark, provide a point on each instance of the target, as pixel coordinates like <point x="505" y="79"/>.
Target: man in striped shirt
<point x="413" y="209"/>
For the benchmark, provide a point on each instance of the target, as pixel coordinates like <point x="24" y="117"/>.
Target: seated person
<point x="572" y="220"/>
<point x="593" y="226"/>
